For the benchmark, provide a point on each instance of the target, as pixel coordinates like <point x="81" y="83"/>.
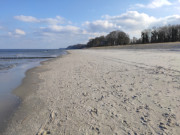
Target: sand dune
<point x="106" y="92"/>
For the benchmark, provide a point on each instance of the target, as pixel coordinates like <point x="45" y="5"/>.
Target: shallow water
<point x="13" y="65"/>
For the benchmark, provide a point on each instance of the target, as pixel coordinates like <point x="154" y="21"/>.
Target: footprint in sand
<point x="52" y="116"/>
<point x="171" y="119"/>
<point x="96" y="130"/>
<point x="94" y="112"/>
<point x="44" y="129"/>
<point x="43" y="132"/>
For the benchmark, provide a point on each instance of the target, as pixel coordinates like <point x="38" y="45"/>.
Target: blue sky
<point x="59" y="23"/>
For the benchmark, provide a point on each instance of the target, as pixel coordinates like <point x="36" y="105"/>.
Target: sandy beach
<point x="106" y="92"/>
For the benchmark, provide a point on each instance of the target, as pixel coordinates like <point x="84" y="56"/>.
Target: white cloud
<point x="172" y="20"/>
<point x="131" y="22"/>
<point x="61" y="35"/>
<point x="26" y="18"/>
<point x="159" y="3"/>
<point x="10" y="33"/>
<point x="155" y="4"/>
<point x="19" y="32"/>
<point x="59" y="29"/>
<point x="100" y="26"/>
<point x="56" y="20"/>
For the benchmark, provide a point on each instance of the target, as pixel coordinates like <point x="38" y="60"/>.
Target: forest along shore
<point x="102" y="92"/>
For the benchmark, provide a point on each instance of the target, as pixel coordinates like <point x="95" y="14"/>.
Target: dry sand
<point x="106" y="92"/>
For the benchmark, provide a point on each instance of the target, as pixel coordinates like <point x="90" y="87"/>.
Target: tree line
<point x="169" y="33"/>
<point x="112" y="39"/>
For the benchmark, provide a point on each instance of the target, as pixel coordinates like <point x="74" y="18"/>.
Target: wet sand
<point x="9" y="80"/>
<point x="101" y="92"/>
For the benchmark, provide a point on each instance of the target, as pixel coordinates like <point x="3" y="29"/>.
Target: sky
<point x="51" y="24"/>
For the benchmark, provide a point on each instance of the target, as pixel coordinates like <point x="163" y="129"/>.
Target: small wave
<point x="6" y="67"/>
<point x="27" y="57"/>
<point x="54" y="56"/>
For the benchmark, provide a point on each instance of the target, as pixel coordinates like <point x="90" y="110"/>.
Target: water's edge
<point x="20" y="91"/>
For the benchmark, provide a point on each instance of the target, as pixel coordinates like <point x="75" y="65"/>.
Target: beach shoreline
<point x="29" y="82"/>
<point x="78" y="93"/>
